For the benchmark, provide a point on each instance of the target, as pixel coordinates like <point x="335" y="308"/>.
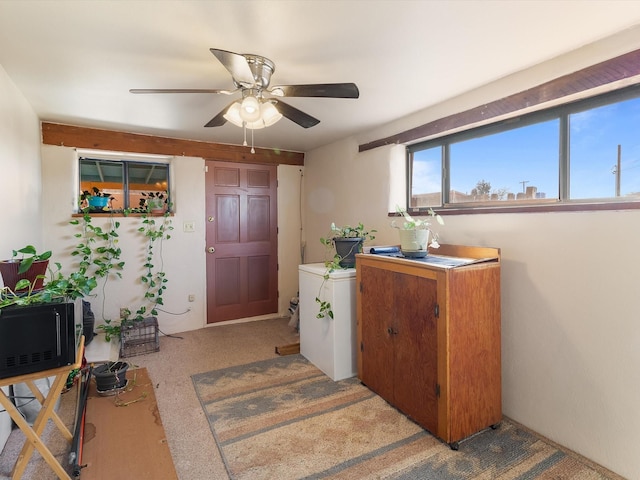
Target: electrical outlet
<point x="192" y="297"/>
<point x="189" y="226"/>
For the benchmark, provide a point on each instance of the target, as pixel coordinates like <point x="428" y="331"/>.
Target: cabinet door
<point x="415" y="367"/>
<point x="376" y="349"/>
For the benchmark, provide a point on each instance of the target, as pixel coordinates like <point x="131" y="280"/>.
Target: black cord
<point x="170" y="336"/>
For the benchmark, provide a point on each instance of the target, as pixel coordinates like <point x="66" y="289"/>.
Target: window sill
<point x="120" y="214"/>
<point x="526" y="208"/>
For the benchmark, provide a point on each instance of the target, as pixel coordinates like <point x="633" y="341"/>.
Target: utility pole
<point x="618" y="171"/>
<point x="524" y="183"/>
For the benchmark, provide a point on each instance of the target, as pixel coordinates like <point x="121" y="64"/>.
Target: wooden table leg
<point x="33" y="433"/>
<point x="33" y="441"/>
<point x="54" y="416"/>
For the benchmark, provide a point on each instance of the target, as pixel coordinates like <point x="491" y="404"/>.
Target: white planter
<point x="414" y="243"/>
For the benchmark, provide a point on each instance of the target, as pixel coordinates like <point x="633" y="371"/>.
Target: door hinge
<point x="438" y="390"/>
<point x="436" y="311"/>
<point x="206" y="169"/>
<point x="360" y="287"/>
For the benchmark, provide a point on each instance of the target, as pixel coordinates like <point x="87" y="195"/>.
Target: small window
<point x="605" y="151"/>
<point x="514" y="165"/>
<point x="125" y="184"/>
<point x="584" y="152"/>
<point x="426" y="178"/>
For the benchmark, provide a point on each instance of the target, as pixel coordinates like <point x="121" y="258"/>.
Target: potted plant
<point x="111" y="376"/>
<point x="30" y="266"/>
<point x="347" y="241"/>
<point x="58" y="288"/>
<point x="415" y="233"/>
<point x="154" y="202"/>
<point x="96" y="200"/>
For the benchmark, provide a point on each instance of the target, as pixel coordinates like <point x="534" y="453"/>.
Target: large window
<point x="125" y="182"/>
<point x="584" y="152"/>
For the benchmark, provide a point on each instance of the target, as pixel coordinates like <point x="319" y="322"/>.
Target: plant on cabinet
<point x="415" y="233"/>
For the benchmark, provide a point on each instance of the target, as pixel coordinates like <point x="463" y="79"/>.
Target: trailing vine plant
<point x="334" y="264"/>
<point x="156" y="230"/>
<point x="98" y="250"/>
<point x="99" y="256"/>
<point x="98" y="253"/>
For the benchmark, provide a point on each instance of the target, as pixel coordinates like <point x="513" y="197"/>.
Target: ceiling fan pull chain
<point x="244" y="128"/>
<point x="253" y="150"/>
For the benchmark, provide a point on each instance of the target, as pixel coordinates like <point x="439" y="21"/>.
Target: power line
<point x="524" y="183"/>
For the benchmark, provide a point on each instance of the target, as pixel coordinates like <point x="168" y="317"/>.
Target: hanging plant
<point x="98" y="251"/>
<point x="156" y="230"/>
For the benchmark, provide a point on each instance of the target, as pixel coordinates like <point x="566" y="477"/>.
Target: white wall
<point x="21" y="220"/>
<point x="289" y="236"/>
<point x="184" y="253"/>
<point x="570" y="302"/>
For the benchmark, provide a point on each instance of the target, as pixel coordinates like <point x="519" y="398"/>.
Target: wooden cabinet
<point x="428" y="335"/>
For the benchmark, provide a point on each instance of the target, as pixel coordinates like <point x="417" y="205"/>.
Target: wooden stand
<point x="47" y="412"/>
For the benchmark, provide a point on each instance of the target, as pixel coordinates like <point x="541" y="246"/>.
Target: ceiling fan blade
<point x="219" y="119"/>
<point x="330" y="90"/>
<point x="237" y="65"/>
<point x="295" y="115"/>
<point x="181" y="90"/>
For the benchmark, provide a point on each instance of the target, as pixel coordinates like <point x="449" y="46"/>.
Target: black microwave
<point x="40" y="337"/>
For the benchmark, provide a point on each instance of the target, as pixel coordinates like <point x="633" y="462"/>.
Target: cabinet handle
<point x="391" y="331"/>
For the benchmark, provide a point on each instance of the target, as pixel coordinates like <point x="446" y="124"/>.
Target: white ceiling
<point x="75" y="61"/>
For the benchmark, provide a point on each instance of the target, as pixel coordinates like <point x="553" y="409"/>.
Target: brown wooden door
<point x="399" y="343"/>
<point x="377" y="349"/>
<point x="241" y="235"/>
<point x="416" y="360"/>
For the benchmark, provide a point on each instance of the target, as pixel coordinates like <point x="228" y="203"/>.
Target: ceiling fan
<point x="261" y="105"/>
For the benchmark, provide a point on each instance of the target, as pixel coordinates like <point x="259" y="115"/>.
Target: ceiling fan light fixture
<point x="250" y="109"/>
<point x="233" y="115"/>
<point x="269" y="114"/>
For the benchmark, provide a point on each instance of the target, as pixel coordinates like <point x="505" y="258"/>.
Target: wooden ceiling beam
<point x="619" y="68"/>
<point x="114" y="141"/>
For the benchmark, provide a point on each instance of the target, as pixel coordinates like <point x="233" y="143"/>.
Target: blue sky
<point x="530" y="154"/>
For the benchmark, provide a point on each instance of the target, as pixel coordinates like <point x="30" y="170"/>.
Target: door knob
<point x="211" y="249"/>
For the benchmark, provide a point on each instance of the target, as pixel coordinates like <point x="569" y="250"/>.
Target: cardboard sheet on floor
<point x="126" y="441"/>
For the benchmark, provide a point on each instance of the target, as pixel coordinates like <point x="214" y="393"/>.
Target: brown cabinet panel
<point x="376" y="344"/>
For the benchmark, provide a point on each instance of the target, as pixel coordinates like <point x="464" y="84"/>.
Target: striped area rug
<point x="283" y="418"/>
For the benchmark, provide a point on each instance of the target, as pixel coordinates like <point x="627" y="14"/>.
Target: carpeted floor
<point x="283" y="418"/>
<point x="193" y="447"/>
